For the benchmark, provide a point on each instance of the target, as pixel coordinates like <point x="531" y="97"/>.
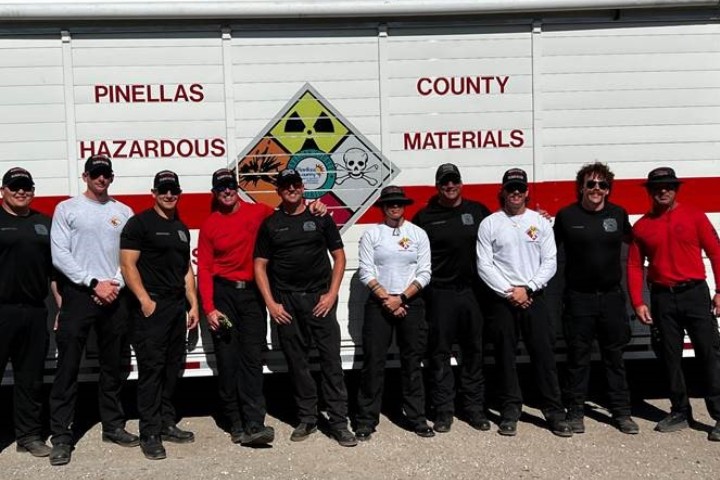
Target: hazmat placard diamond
<point x="338" y="164"/>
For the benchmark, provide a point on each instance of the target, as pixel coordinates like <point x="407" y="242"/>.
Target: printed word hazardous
<point x="154" y="148"/>
<point x="148" y="93"/>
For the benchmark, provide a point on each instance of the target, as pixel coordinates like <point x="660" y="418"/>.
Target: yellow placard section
<point x="309" y="125"/>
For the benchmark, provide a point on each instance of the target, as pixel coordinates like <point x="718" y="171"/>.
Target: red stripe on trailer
<point x="704" y="193"/>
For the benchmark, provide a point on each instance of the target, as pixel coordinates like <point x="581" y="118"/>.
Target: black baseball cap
<point x="447" y="172"/>
<point x="98" y="163"/>
<point x="662" y="175"/>
<point x="166" y="178"/>
<point x="18" y="177"/>
<point x="287" y="177"/>
<point x="224" y="178"/>
<point x="515" y="176"/>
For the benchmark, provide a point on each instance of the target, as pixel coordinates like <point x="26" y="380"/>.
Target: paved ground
<point x="602" y="452"/>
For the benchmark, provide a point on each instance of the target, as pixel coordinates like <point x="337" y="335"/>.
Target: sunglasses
<point x="25" y="187"/>
<point x="164" y="190"/>
<point x="448" y="180"/>
<point x="602" y="184"/>
<point x="663" y="186"/>
<point x="296" y="186"/>
<point x="227" y="186"/>
<point x="98" y="173"/>
<point x="515" y="187"/>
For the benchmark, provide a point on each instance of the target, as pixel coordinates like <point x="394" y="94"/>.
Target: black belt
<point x="677" y="288"/>
<point x="236" y="284"/>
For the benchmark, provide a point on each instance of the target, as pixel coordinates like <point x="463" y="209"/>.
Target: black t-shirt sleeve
<point x="485" y="211"/>
<point x="558" y="228"/>
<point x="132" y="235"/>
<point x="626" y="228"/>
<point x="331" y="233"/>
<point x="262" y="243"/>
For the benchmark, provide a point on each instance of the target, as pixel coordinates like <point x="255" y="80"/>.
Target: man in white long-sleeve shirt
<point x="516" y="257"/>
<point x="85" y="247"/>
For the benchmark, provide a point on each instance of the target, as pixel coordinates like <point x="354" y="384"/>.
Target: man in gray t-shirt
<point x="85" y="247"/>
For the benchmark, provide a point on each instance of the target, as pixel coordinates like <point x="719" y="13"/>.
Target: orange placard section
<point x="257" y="170"/>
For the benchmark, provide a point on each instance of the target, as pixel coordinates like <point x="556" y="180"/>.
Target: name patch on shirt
<point x="610" y="225"/>
<point x="309" y="227"/>
<point x="183" y="237"/>
<point x="41" y="229"/>
<point x="467" y="219"/>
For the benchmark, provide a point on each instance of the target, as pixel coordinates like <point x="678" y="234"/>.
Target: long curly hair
<point x="598" y="169"/>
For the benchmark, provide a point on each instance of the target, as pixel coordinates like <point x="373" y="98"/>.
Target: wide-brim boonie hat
<point x="393" y="195"/>
<point x="662" y="175"/>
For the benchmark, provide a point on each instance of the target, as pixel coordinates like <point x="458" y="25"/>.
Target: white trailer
<point x="358" y="94"/>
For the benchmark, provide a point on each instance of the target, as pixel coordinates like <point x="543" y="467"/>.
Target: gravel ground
<point x="602" y="452"/>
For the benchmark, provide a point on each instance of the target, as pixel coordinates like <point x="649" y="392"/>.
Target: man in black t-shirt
<point x="300" y="289"/>
<point x="453" y="300"/>
<point x="592" y="232"/>
<point x="25" y="269"/>
<point x="155" y="262"/>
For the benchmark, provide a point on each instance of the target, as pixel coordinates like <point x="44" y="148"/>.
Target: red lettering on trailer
<point x="146" y="93"/>
<point x="152" y="148"/>
<point x="478" y="85"/>
<point x="463" y="139"/>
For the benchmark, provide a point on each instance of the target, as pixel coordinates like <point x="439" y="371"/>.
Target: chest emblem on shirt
<point x="183" y="237"/>
<point x="404" y="243"/>
<point x="41" y="229"/>
<point x="610" y="225"/>
<point x="532" y="232"/>
<point x="467" y="219"/>
<point x="309" y="227"/>
<point x="115" y="221"/>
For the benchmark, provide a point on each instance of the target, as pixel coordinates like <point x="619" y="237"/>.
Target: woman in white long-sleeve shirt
<point x="395" y="266"/>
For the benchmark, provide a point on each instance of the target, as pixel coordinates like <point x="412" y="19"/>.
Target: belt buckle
<point x="240" y="285"/>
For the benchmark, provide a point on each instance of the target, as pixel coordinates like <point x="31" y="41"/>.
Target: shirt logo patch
<point x="309" y="226"/>
<point x="404" y="243"/>
<point x="610" y="225"/>
<point x="467" y="219"/>
<point x="183" y="237"/>
<point x="41" y="229"/>
<point x="532" y="232"/>
<point x="115" y="221"/>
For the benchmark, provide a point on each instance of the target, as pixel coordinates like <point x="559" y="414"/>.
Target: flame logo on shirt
<point x="404" y="243"/>
<point x="532" y="232"/>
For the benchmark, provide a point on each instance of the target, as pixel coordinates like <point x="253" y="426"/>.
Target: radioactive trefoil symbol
<point x="338" y="164"/>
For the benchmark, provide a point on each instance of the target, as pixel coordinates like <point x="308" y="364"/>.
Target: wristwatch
<point x="529" y="291"/>
<point x="403" y="298"/>
<point x="94" y="283"/>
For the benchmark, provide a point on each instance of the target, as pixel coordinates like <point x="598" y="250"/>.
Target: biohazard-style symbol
<point x="356" y="166"/>
<point x="337" y="163"/>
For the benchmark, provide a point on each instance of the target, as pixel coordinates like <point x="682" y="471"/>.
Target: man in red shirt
<point x="672" y="237"/>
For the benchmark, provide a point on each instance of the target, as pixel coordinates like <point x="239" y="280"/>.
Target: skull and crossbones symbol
<point x="356" y="167"/>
